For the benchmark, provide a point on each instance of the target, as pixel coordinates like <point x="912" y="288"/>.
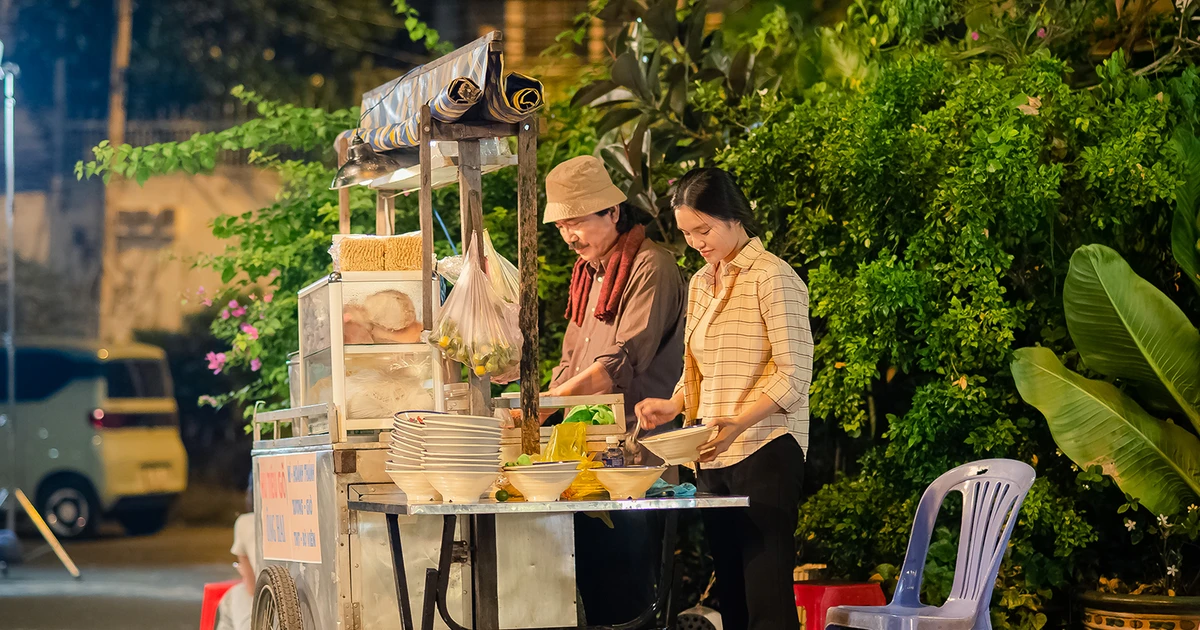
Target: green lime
<point x="502" y="495"/>
<point x="524" y="460"/>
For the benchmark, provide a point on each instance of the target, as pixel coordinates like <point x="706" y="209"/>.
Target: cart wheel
<point x="276" y="604"/>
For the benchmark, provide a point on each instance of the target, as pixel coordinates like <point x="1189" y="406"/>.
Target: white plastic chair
<point x="993" y="490"/>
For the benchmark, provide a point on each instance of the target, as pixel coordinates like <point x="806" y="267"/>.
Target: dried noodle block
<point x="362" y="254"/>
<point x="403" y="253"/>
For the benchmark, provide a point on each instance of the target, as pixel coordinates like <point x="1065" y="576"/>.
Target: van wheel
<point x="276" y="603"/>
<point x="69" y="507"/>
<point x="143" y="522"/>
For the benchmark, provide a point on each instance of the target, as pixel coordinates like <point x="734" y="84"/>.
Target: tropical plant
<point x="675" y="93"/>
<point x="1128" y="331"/>
<point x="1124" y="328"/>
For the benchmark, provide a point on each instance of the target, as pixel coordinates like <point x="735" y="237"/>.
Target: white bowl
<point x="416" y="415"/>
<point x="391" y="468"/>
<point x="463" y="449"/>
<point x="461" y="437"/>
<point x="680" y="446"/>
<point x="470" y="422"/>
<point x="408" y="434"/>
<point x="473" y="466"/>
<point x="462" y="487"/>
<point x="628" y="483"/>
<point x="559" y="466"/>
<point x="454" y="434"/>
<point x="415" y="441"/>
<point x="541" y="485"/>
<point x="415" y="486"/>
<point x="445" y="443"/>
<point x="405" y="449"/>
<point x="479" y="460"/>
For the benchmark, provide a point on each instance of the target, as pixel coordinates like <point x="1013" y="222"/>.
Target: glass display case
<point x="363" y="348"/>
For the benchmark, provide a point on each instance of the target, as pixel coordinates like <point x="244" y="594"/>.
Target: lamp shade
<point x="362" y="165"/>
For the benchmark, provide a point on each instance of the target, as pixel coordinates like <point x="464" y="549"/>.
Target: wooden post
<point x="470" y="193"/>
<point x="426" y="213"/>
<point x="385" y="213"/>
<point x="342" y="145"/>
<point x="470" y="207"/>
<point x="527" y="260"/>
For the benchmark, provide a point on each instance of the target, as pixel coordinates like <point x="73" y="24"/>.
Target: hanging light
<point x="363" y="165"/>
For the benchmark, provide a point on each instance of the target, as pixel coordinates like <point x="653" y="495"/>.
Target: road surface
<point x="149" y="583"/>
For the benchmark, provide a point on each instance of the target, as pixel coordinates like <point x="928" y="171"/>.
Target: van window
<point x="42" y="372"/>
<point x="136" y="378"/>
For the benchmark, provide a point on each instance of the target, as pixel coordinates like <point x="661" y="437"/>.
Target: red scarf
<point x="624" y="252"/>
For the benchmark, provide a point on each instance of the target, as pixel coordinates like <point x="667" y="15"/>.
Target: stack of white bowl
<point x="461" y="455"/>
<point x="406" y="456"/>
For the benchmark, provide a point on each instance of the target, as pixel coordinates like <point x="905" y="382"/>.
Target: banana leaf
<point x="1185" y="227"/>
<point x="1126" y="328"/>
<point x="1094" y="423"/>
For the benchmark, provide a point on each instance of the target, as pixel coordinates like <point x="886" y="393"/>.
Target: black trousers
<point x="616" y="569"/>
<point x="754" y="548"/>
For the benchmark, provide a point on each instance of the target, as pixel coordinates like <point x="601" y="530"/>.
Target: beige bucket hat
<point x="579" y="187"/>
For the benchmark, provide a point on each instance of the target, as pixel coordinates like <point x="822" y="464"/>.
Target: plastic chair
<point x="212" y="598"/>
<point x="993" y="490"/>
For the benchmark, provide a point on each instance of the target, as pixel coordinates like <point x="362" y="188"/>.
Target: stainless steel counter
<point x="396" y="503"/>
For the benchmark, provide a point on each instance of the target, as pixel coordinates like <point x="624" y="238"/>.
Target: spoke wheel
<point x="276" y="604"/>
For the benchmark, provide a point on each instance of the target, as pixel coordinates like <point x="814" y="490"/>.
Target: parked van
<point x="97" y="431"/>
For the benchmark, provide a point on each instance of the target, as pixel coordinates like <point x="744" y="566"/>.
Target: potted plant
<point x="1130" y="332"/>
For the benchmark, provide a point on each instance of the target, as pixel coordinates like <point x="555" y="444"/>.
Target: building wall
<point x="162" y="227"/>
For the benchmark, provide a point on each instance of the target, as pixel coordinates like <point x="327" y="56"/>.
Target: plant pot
<point x="1107" y="611"/>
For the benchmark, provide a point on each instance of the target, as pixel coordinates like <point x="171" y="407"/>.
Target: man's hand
<point x="728" y="430"/>
<point x="655" y="412"/>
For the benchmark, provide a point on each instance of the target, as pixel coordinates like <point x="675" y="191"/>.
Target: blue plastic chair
<point x="992" y="490"/>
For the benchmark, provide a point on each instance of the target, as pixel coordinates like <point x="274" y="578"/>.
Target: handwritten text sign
<point x="290" y="519"/>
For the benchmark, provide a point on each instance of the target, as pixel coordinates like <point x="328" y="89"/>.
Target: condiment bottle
<point x="614" y="456"/>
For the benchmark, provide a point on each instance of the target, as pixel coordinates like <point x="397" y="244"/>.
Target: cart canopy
<point x="468" y="84"/>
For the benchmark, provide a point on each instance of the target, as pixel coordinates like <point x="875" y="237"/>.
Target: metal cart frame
<point x="481" y="552"/>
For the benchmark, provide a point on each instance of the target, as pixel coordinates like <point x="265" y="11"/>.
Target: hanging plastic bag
<point x="503" y="274"/>
<point x="477" y="328"/>
<point x="568" y="442"/>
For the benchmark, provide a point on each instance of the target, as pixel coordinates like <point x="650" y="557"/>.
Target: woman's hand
<point x="728" y="430"/>
<point x="655" y="412"/>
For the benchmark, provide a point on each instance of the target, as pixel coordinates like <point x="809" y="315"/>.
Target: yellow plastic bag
<point x="569" y="442"/>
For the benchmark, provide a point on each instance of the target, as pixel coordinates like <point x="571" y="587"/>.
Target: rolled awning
<point x="468" y="84"/>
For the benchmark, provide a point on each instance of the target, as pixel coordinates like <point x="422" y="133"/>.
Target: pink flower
<point x="274" y="274"/>
<point x="200" y="291"/>
<point x="975" y="36"/>
<point x="239" y="311"/>
<point x="253" y="297"/>
<point x="233" y="304"/>
<point x="1041" y="33"/>
<point x="207" y="302"/>
<point x="216" y="361"/>
<point x="207" y="400"/>
<point x="268" y="297"/>
<point x="224" y="313"/>
<point x="255" y="365"/>
<point x="250" y="331"/>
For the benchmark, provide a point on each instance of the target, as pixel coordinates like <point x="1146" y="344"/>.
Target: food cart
<point x="339" y="546"/>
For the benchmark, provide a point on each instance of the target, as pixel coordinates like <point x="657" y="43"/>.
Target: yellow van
<point x="97" y="430"/>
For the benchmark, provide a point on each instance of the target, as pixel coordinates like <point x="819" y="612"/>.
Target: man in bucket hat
<point x="624" y="335"/>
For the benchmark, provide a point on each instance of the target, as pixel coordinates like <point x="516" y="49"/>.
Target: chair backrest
<point x="993" y="490"/>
